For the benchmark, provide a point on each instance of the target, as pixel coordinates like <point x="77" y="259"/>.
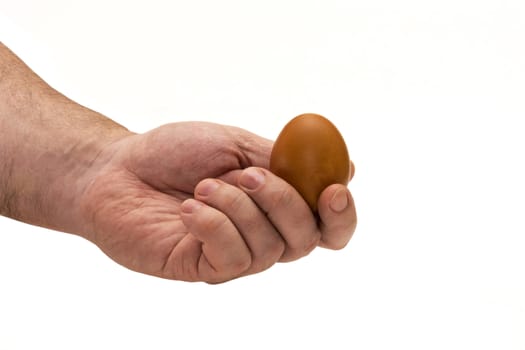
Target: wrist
<point x="52" y="152"/>
<point x="88" y="152"/>
<point x="48" y="147"/>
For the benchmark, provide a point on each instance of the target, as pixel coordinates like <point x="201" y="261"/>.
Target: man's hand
<point x="187" y="201"/>
<point x="195" y="202"/>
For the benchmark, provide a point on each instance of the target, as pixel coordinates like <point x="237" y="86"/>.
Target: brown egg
<point x="310" y="154"/>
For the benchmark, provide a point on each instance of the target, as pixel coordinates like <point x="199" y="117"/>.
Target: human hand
<point x="195" y="202"/>
<point x="181" y="201"/>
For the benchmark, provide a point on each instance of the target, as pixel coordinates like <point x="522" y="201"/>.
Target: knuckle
<point x="281" y="199"/>
<point x="270" y="255"/>
<point x="212" y="221"/>
<point x="336" y="237"/>
<point x="236" y="201"/>
<point x="278" y="249"/>
<point x="291" y="254"/>
<point x="337" y="243"/>
<point x="240" y="265"/>
<point x="227" y="271"/>
<point x="296" y="252"/>
<point x="233" y="269"/>
<point x="311" y="244"/>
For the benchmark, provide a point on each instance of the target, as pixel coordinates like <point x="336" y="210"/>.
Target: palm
<point x="134" y="201"/>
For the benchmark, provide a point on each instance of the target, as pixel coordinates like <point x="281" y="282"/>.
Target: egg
<point x="310" y="154"/>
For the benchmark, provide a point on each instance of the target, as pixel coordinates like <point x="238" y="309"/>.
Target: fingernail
<point x="339" y="201"/>
<point x="190" y="206"/>
<point x="207" y="187"/>
<point x="251" y="179"/>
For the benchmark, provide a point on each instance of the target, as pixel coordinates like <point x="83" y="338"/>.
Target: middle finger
<point x="285" y="208"/>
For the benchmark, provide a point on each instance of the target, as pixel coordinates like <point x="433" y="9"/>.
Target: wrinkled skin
<point x="182" y="202"/>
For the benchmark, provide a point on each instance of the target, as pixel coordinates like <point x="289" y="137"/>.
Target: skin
<point x="187" y="201"/>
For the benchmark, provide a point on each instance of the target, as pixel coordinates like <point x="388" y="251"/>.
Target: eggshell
<point x="310" y="154"/>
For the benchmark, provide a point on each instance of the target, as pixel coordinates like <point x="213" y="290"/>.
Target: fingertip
<point x="188" y="209"/>
<point x="190" y="206"/>
<point x="251" y="179"/>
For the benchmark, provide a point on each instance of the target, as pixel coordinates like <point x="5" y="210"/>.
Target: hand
<point x="188" y="201"/>
<point x="195" y="202"/>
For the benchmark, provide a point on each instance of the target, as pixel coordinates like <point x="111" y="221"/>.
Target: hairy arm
<point x="47" y="142"/>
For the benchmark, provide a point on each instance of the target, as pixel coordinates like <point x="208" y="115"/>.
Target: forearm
<point x="47" y="144"/>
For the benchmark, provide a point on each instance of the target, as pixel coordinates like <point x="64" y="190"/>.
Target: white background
<point x="430" y="98"/>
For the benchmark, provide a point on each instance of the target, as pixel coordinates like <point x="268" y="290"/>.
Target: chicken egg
<point x="310" y="154"/>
